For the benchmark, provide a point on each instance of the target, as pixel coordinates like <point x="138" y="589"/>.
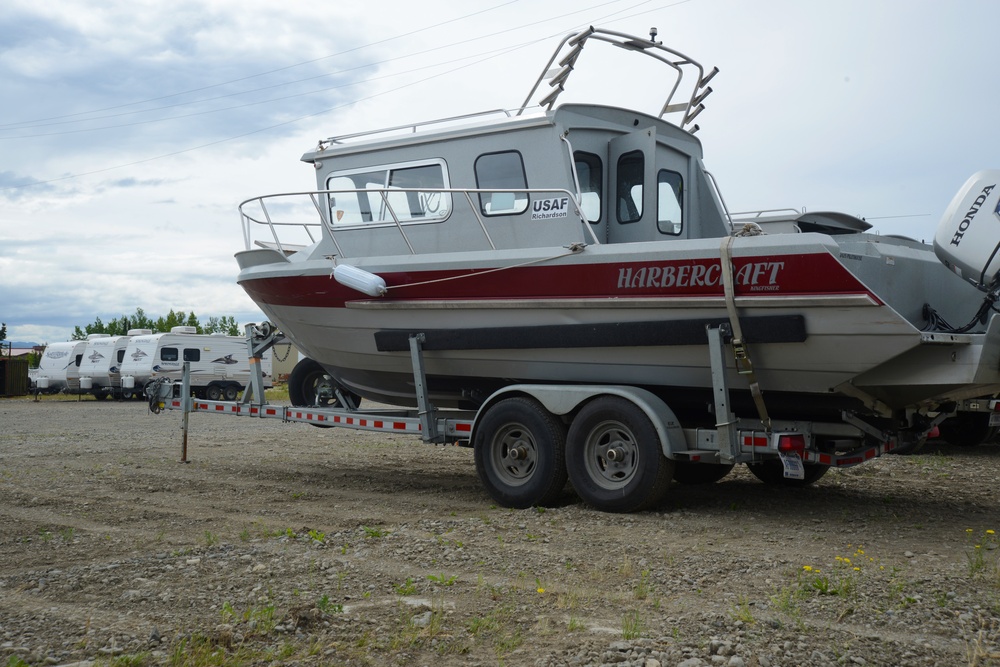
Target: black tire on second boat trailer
<point x="614" y="456"/>
<point x="772" y="472"/>
<point x="519" y="449"/>
<point x="308" y="380"/>
<point x="230" y="392"/>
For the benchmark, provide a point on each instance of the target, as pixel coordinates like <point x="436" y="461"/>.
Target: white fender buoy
<point x="359" y="279"/>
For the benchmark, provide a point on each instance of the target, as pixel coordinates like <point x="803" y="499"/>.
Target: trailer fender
<point x="563" y="400"/>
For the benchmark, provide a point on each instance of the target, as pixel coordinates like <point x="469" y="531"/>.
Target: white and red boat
<point x="587" y="244"/>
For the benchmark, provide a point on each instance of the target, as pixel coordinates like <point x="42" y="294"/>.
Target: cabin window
<point x="589" y="172"/>
<point x="79" y="358"/>
<point x="501" y="171"/>
<point x="628" y="190"/>
<point x="669" y="207"/>
<point x="192" y="354"/>
<point x="412" y="193"/>
<point x="121" y="355"/>
<point x="168" y="354"/>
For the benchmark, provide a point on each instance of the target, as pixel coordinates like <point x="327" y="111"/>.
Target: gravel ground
<point x="288" y="544"/>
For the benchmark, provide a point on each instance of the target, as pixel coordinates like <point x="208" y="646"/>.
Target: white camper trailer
<point x="100" y="367"/>
<point x="59" y="368"/>
<point x="219" y="364"/>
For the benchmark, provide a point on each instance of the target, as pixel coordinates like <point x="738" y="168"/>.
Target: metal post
<point x="424" y="409"/>
<point x="725" y="421"/>
<point x="186" y="404"/>
<point x="259" y="339"/>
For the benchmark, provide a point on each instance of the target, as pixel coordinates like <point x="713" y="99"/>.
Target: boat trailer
<point x="623" y="464"/>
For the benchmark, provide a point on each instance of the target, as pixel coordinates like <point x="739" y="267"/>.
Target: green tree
<point x="225" y="324"/>
<point x="176" y="319"/>
<point x="97" y="326"/>
<point x="3" y="331"/>
<point x="139" y="320"/>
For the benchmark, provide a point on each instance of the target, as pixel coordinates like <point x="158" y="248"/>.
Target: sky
<point x="131" y="130"/>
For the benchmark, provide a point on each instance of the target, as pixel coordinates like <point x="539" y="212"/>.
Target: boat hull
<point x="614" y="315"/>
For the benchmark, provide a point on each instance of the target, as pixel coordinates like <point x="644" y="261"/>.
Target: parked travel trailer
<point x="100" y="366"/>
<point x="59" y="368"/>
<point x="219" y="364"/>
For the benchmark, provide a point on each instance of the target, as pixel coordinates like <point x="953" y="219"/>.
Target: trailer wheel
<point x="967" y="429"/>
<point x="101" y="395"/>
<point x="686" y="472"/>
<point x="614" y="457"/>
<point x="520" y="453"/>
<point x="213" y="392"/>
<point x="772" y="472"/>
<point x="230" y="392"/>
<point x="310" y="386"/>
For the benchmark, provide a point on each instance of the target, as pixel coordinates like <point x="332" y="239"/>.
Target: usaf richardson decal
<point x="547" y="209"/>
<point x="758" y="276"/>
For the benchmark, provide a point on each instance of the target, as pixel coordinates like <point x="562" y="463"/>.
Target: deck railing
<point x="291" y="221"/>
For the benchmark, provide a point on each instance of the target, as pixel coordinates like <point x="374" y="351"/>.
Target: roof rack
<point x="557" y="77"/>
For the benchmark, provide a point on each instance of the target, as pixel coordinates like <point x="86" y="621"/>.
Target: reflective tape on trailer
<point x="458" y="429"/>
<point x="848" y="460"/>
<point x="752" y="440"/>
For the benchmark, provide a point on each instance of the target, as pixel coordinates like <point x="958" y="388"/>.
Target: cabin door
<point x="632" y="187"/>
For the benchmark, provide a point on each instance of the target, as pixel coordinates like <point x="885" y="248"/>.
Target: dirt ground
<point x="288" y="544"/>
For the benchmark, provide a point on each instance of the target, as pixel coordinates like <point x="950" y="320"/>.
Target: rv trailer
<point x="219" y="363"/>
<point x="59" y="368"/>
<point x="100" y="367"/>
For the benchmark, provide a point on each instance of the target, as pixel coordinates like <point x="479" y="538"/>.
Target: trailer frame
<point x="731" y="441"/>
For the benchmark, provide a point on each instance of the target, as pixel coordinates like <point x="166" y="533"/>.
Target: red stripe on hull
<point x="814" y="274"/>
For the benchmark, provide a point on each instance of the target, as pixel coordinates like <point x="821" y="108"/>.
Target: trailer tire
<point x="966" y="429"/>
<point x="101" y="395"/>
<point x="213" y="392"/>
<point x="614" y="457"/>
<point x="772" y="472"/>
<point x="688" y="473"/>
<point x="520" y="453"/>
<point x="230" y="392"/>
<point x="308" y="380"/>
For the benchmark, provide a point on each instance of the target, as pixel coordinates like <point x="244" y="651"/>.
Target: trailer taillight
<point x="792" y="443"/>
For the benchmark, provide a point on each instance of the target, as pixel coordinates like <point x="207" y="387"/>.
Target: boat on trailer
<point x="585" y="245"/>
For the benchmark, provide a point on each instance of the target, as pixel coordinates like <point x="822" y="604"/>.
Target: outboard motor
<point x="968" y="237"/>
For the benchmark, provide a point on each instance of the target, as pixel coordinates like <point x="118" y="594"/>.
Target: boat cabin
<point x="536" y="176"/>
<point x="639" y="178"/>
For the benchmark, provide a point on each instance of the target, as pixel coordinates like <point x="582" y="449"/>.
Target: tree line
<point x="139" y="320"/>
